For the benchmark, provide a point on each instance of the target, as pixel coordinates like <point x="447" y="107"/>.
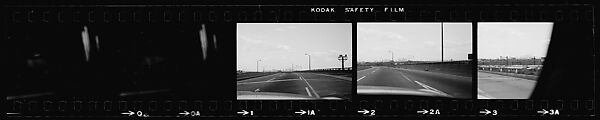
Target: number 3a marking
<point x="494" y="112"/>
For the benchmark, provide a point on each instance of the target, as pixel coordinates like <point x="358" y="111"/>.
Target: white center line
<point x="307" y="92"/>
<point x="311" y="88"/>
<point x="423" y="85"/>
<point x="361" y="78"/>
<point x="402" y="74"/>
<point x="271" y="79"/>
<point x="431" y="88"/>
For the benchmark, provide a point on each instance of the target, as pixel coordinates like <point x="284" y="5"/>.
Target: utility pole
<point x="442" y="41"/>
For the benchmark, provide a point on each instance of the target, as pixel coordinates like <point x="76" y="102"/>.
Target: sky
<point x="514" y="39"/>
<point x="281" y="45"/>
<point x="420" y="41"/>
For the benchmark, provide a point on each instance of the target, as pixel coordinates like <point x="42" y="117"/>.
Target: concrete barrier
<point x="457" y="68"/>
<point x="249" y="75"/>
<point x="512" y="69"/>
<point x="344" y="73"/>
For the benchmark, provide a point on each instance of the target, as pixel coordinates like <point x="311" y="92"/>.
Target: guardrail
<point x="524" y="69"/>
<point x="330" y="69"/>
<point x="449" y="62"/>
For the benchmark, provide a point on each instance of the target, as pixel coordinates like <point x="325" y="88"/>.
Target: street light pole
<point x="257" y="65"/>
<point x="392" y="55"/>
<point x="308" y="60"/>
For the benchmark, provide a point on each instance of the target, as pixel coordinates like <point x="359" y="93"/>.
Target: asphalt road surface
<point x="309" y="84"/>
<point x="453" y="85"/>
<point x="503" y="87"/>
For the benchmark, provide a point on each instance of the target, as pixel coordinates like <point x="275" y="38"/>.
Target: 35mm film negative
<point x="293" y="61"/>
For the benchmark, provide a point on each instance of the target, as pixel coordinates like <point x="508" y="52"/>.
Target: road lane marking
<point x="311" y="88"/>
<point x="366" y="71"/>
<point x="402" y="74"/>
<point x="272" y="79"/>
<point x="431" y="88"/>
<point x="284" y="80"/>
<point x="333" y="76"/>
<point x="275" y="76"/>
<point x="361" y="78"/>
<point x="307" y="92"/>
<point x="374" y="70"/>
<point x="432" y="72"/>
<point x="483" y="95"/>
<point x="267" y="81"/>
<point x="423" y="85"/>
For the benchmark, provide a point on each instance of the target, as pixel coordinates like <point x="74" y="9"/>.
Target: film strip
<point x="218" y="26"/>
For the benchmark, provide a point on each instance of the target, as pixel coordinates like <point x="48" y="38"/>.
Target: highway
<point x="453" y="85"/>
<point x="503" y="87"/>
<point x="310" y="84"/>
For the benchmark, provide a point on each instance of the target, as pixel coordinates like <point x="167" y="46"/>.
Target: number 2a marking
<point x="434" y="112"/>
<point x="372" y="113"/>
